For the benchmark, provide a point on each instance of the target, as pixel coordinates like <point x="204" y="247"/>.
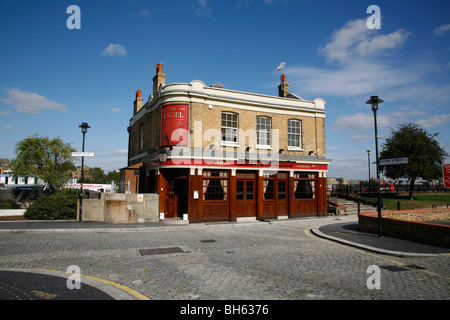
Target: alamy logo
<point x="374" y="21"/>
<point x="374" y="280"/>
<point x="74" y="280"/>
<point x="74" y="21"/>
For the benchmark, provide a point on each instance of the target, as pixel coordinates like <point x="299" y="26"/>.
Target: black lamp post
<point x="374" y="101"/>
<point x="368" y="162"/>
<point x="84" y="126"/>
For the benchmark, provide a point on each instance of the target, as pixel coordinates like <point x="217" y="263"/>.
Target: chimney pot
<point x="138" y="93"/>
<point x="283" y="88"/>
<point x="159" y="68"/>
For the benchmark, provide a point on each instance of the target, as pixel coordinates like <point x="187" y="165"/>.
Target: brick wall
<point x="408" y="225"/>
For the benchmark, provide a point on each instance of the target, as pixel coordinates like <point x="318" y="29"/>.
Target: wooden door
<point x="172" y="199"/>
<point x="245" y="198"/>
<point x="282" y="198"/>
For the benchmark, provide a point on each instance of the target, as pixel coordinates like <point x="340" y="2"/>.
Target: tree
<point x="425" y="156"/>
<point x="43" y="158"/>
<point x="112" y="176"/>
<point x="95" y="175"/>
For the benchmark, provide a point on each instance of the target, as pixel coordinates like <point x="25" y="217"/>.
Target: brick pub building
<point x="225" y="155"/>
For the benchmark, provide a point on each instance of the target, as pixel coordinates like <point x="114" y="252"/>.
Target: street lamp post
<point x="84" y="126"/>
<point x="374" y="101"/>
<point x="368" y="164"/>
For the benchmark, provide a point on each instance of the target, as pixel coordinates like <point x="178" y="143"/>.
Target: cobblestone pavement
<point x="266" y="261"/>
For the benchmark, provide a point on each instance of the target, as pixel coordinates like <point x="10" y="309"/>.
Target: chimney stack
<point x="159" y="79"/>
<point x="283" y="88"/>
<point x="139" y="102"/>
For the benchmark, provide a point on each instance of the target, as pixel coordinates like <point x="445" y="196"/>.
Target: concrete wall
<point x="12" y="212"/>
<point x="121" y="208"/>
<point x="410" y="225"/>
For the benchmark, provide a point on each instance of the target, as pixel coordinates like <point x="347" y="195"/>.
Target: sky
<point x="59" y="68"/>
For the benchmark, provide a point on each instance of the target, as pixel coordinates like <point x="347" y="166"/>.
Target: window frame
<point x="228" y="127"/>
<point x="267" y="143"/>
<point x="297" y="135"/>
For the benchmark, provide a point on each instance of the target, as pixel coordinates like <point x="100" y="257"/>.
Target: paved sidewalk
<point x="343" y="232"/>
<point x="261" y="261"/>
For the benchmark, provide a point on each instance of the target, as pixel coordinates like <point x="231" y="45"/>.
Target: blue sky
<point x="52" y="78"/>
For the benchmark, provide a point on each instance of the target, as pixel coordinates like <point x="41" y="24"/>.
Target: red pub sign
<point x="446" y="169"/>
<point x="174" y="125"/>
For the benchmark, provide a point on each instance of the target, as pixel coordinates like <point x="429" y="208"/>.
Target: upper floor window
<point x="230" y="122"/>
<point x="294" y="134"/>
<point x="263" y="131"/>
<point x="141" y="136"/>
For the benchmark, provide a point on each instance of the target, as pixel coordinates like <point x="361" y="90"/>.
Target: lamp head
<point x="84" y="126"/>
<point x="374" y="101"/>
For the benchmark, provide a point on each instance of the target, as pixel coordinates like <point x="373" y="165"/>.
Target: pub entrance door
<point x="246" y="195"/>
<point x="177" y="197"/>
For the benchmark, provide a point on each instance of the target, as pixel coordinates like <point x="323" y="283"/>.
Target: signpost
<point x="393" y="161"/>
<point x="446" y="170"/>
<point x="82" y="154"/>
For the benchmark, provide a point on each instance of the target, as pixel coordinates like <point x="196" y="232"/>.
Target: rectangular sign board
<point x="387" y="162"/>
<point x="82" y="154"/>
<point x="446" y="169"/>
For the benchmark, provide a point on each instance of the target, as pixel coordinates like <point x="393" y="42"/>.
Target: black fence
<point x="386" y="189"/>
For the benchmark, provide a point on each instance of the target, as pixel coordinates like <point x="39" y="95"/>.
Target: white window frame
<point x="263" y="128"/>
<point x="292" y="133"/>
<point x="230" y="130"/>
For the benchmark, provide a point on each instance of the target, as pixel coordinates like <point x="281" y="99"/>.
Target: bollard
<point x="398" y="205"/>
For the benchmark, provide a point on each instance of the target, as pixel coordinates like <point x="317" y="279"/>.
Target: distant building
<point x="5" y="165"/>
<point x="225" y="155"/>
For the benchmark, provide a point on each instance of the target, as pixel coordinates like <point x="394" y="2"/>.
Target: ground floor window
<point x="304" y="185"/>
<point x="215" y="185"/>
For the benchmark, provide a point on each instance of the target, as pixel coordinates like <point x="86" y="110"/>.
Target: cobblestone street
<point x="266" y="261"/>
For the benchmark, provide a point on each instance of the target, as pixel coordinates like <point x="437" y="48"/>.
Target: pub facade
<point x="223" y="155"/>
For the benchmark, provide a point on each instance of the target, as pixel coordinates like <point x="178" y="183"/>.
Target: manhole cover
<point x="394" y="268"/>
<point x="153" y="251"/>
<point x="208" y="241"/>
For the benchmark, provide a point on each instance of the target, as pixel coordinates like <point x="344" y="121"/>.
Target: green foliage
<point x="112" y="176"/>
<point x="425" y="156"/>
<point x="9" y="204"/>
<point x="62" y="205"/>
<point x="44" y="158"/>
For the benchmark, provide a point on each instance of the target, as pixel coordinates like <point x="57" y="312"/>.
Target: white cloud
<point x="29" y="102"/>
<point x="442" y="29"/>
<point x="121" y="152"/>
<point x="356" y="40"/>
<point x="360" y="121"/>
<point x="6" y="128"/>
<point x="145" y="13"/>
<point x="361" y="137"/>
<point x="115" y="50"/>
<point x="202" y="8"/>
<point x="5" y="113"/>
<point x="358" y="78"/>
<point x="434" y="121"/>
<point x="357" y="70"/>
<point x="116" y="110"/>
<point x="408" y="113"/>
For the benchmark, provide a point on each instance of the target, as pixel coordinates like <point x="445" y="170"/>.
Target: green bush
<point x="62" y="205"/>
<point x="9" y="204"/>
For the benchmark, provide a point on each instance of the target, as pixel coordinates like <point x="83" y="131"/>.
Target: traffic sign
<point x="82" y="154"/>
<point x="446" y="169"/>
<point x="393" y="161"/>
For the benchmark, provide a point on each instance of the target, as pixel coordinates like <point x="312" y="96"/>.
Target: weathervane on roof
<point x="281" y="66"/>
